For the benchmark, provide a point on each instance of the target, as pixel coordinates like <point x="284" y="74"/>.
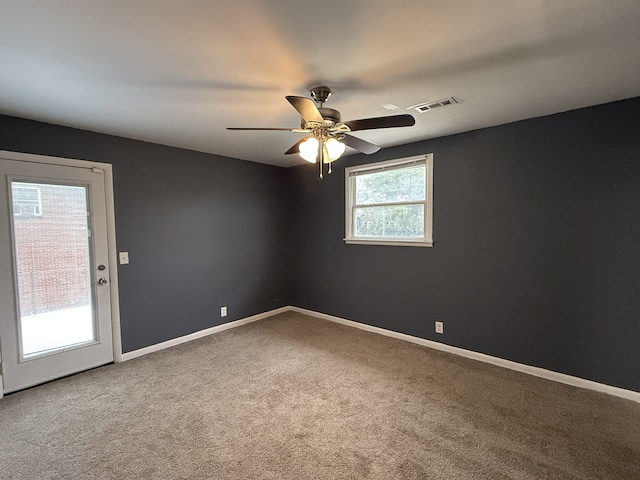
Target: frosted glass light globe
<point x="309" y="150"/>
<point x="334" y="149"/>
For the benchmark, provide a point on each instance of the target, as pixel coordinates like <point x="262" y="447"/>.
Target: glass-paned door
<point x="54" y="230"/>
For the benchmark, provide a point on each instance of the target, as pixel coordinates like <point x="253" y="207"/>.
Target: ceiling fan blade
<point x="360" y="145"/>
<point x="306" y="108"/>
<point x="296" y="148"/>
<point x="404" y="120"/>
<point x="259" y="128"/>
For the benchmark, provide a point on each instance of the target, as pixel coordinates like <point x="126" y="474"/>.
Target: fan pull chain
<point x="321" y="155"/>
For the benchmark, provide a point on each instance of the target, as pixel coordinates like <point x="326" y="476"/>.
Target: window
<point x="27" y="201"/>
<point x="390" y="203"/>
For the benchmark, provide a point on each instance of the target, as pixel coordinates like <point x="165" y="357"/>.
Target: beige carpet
<point x="293" y="397"/>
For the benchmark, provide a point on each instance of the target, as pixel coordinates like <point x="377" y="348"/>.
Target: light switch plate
<point x="124" y="258"/>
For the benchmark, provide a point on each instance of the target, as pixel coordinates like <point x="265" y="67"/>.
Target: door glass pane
<point x="51" y="237"/>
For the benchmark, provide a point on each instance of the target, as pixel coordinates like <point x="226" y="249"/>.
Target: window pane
<point x="395" y="185"/>
<point x="405" y="221"/>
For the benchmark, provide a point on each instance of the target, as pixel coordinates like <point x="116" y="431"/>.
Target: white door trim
<point x="111" y="232"/>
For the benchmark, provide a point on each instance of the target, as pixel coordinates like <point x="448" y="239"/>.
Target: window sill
<point x="397" y="243"/>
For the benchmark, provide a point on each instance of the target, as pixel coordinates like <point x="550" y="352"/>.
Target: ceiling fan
<point x="328" y="135"/>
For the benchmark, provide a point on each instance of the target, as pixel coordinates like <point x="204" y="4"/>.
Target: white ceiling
<point x="179" y="72"/>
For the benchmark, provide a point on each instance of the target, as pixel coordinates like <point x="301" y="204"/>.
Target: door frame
<point x="107" y="168"/>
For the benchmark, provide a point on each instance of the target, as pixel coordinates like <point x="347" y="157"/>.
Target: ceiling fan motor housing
<point x="331" y="117"/>
<point x="330" y="114"/>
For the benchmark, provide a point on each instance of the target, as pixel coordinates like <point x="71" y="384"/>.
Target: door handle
<point x="102" y="281"/>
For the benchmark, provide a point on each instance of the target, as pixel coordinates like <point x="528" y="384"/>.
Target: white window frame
<point x="350" y="195"/>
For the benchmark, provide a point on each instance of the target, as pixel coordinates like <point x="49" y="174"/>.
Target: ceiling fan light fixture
<point x="335" y="149"/>
<point x="309" y="149"/>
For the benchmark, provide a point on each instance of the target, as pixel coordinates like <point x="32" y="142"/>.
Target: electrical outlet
<point x="223" y="311"/>
<point x="439" y="327"/>
<point x="124" y="258"/>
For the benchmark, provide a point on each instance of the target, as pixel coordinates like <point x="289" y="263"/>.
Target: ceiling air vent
<point x="424" y="107"/>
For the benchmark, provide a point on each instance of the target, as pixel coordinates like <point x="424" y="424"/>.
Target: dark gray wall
<point x="537" y="246"/>
<point x="201" y="230"/>
<point x="537" y="227"/>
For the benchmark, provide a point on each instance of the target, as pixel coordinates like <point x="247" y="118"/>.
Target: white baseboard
<point x="500" y="362"/>
<point x="520" y="367"/>
<point x="201" y="333"/>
